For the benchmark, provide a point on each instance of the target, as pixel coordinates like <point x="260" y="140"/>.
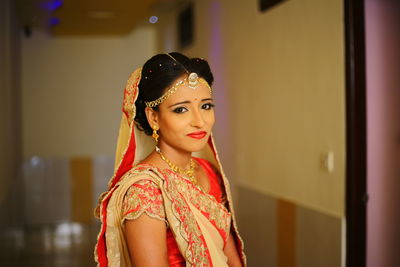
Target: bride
<point x="165" y="206"/>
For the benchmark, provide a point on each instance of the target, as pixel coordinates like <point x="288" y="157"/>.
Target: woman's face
<point x="186" y="118"/>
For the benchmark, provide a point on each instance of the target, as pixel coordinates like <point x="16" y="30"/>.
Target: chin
<point x="197" y="147"/>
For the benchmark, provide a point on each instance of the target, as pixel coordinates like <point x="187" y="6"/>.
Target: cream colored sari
<point x="199" y="223"/>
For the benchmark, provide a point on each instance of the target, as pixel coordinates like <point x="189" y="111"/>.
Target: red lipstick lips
<point x="197" y="135"/>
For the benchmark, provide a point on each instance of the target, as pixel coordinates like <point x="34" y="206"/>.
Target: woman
<point x="165" y="207"/>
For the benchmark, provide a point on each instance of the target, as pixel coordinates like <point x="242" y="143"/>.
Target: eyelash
<point x="210" y="106"/>
<point x="206" y="106"/>
<point x="180" y="110"/>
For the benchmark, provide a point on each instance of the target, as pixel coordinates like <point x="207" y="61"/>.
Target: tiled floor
<point x="60" y="245"/>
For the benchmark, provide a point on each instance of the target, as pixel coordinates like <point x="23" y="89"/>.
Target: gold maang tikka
<point x="192" y="80"/>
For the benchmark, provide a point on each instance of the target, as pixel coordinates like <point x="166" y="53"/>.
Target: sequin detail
<point x="143" y="197"/>
<point x="179" y="191"/>
<point x="130" y="95"/>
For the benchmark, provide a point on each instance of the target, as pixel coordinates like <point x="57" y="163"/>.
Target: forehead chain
<point x="192" y="80"/>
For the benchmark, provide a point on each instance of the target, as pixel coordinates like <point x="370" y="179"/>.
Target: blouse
<point x="145" y="197"/>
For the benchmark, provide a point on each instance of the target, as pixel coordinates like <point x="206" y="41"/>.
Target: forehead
<point x="186" y="93"/>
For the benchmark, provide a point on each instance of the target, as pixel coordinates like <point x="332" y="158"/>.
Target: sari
<point x="200" y="222"/>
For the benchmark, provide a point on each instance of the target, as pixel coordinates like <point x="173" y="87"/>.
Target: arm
<point x="232" y="253"/>
<point x="145" y="225"/>
<point x="146" y="238"/>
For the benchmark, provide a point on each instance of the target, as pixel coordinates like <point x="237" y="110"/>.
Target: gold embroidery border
<point x="195" y="251"/>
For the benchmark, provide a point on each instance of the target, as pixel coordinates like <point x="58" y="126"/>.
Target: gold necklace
<point x="189" y="172"/>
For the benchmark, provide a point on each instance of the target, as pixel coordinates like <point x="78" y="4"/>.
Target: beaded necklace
<point x="187" y="172"/>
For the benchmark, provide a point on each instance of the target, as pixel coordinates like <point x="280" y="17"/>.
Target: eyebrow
<point x="188" y="102"/>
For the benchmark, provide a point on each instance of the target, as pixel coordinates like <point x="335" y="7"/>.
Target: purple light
<point x="153" y="19"/>
<point x="54" y="21"/>
<point x="216" y="59"/>
<point x="51" y="5"/>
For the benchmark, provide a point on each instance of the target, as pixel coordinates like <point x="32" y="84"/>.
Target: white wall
<point x="72" y="90"/>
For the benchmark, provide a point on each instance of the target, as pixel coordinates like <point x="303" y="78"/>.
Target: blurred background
<point x="282" y="95"/>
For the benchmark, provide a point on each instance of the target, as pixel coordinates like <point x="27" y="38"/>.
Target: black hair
<point x="158" y="73"/>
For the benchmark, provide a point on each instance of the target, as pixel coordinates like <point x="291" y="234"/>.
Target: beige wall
<point x="280" y="94"/>
<point x="72" y="91"/>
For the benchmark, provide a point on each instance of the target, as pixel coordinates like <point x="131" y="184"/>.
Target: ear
<point x="152" y="117"/>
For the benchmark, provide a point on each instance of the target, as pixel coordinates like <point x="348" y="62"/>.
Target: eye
<point x="207" y="106"/>
<point x="180" y="110"/>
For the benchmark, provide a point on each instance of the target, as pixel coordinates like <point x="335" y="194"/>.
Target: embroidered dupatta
<point x="192" y="216"/>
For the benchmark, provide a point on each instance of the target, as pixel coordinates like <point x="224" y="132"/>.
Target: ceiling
<point x="87" y="17"/>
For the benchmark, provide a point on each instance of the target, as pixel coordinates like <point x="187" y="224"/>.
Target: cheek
<point x="173" y="126"/>
<point x="210" y="118"/>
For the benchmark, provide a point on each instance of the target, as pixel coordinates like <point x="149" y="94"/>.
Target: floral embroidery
<point x="216" y="212"/>
<point x="130" y="95"/>
<point x="143" y="197"/>
<point x="196" y="253"/>
<point x="180" y="191"/>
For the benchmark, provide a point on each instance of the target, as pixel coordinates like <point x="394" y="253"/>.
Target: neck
<point x="176" y="156"/>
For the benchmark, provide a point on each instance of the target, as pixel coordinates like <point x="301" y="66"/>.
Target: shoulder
<point x="143" y="180"/>
<point x="143" y="193"/>
<point x="145" y="185"/>
<point x="143" y="172"/>
<point x="143" y="196"/>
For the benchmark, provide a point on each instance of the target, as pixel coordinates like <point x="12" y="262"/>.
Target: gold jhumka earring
<point x="155" y="134"/>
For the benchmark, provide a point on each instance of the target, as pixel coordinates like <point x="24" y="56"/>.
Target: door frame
<point x="356" y="133"/>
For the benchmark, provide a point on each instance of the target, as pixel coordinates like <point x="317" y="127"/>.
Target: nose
<point x="197" y="119"/>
